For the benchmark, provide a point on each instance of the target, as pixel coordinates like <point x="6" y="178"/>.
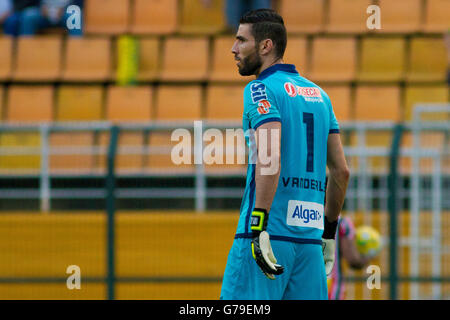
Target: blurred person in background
<point x="235" y="9"/>
<point x="5" y="10"/>
<point x="51" y="13"/>
<point x="345" y="250"/>
<point x="13" y="18"/>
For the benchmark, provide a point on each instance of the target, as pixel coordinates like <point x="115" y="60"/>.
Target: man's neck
<point x="268" y="64"/>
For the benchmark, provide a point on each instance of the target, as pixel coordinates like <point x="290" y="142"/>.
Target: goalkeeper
<point x="284" y="244"/>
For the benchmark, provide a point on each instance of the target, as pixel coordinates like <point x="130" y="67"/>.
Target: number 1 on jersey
<point x="308" y="119"/>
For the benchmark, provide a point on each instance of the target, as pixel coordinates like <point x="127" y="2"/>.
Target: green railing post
<point x="110" y="212"/>
<point x="393" y="209"/>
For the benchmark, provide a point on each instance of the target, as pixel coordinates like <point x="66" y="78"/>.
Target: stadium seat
<point x="198" y="18"/>
<point x="73" y="156"/>
<point x="20" y="163"/>
<point x="382" y="59"/>
<point x="29" y="104"/>
<point x="185" y="59"/>
<point x="400" y="16"/>
<point x="6" y="54"/>
<point x="107" y="16"/>
<point x="2" y="102"/>
<point x="223" y="64"/>
<point x="303" y="15"/>
<point x="149" y="59"/>
<point x="427" y="59"/>
<point x="154" y="16"/>
<point x="416" y="94"/>
<point x="296" y="54"/>
<point x="79" y="103"/>
<point x="377" y="103"/>
<point x="347" y="16"/>
<point x="437" y="16"/>
<point x="333" y="59"/>
<point x="224" y="102"/>
<point x="87" y="59"/>
<point x="127" y="104"/>
<point x="340" y="97"/>
<point x="179" y="103"/>
<point x="38" y="58"/>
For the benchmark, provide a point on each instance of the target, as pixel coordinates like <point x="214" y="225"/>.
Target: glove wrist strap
<point x="259" y="221"/>
<point x="329" y="230"/>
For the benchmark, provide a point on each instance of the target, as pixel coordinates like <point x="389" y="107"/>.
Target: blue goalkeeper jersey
<point x="307" y="118"/>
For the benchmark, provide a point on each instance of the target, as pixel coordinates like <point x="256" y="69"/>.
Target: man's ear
<point x="265" y="46"/>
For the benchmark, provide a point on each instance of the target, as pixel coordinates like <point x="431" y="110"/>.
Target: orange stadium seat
<point x="154" y="16"/>
<point x="6" y="54"/>
<point x="223" y="64"/>
<point x="107" y="16"/>
<point x="179" y="103"/>
<point x="377" y="103"/>
<point x="382" y="59"/>
<point x="20" y="163"/>
<point x="149" y="56"/>
<point x="437" y="16"/>
<point x="303" y="15"/>
<point x="224" y="102"/>
<point x="79" y="103"/>
<point x="400" y="15"/>
<point x="427" y="59"/>
<point x="198" y="18"/>
<point x="416" y="94"/>
<point x="340" y="97"/>
<point x="296" y="54"/>
<point x="348" y="16"/>
<point x="87" y="59"/>
<point x="333" y="59"/>
<point x="30" y="103"/>
<point x="185" y="59"/>
<point x="38" y="58"/>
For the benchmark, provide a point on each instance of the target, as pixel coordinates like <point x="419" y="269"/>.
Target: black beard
<point x="250" y="65"/>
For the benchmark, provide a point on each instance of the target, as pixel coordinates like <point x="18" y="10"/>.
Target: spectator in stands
<point x="5" y="10"/>
<point x="16" y="9"/>
<point x="51" y="13"/>
<point x="234" y="9"/>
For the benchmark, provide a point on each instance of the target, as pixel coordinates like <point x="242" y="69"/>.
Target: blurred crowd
<point x="28" y="17"/>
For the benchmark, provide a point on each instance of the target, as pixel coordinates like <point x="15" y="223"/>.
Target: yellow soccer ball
<point x="368" y="241"/>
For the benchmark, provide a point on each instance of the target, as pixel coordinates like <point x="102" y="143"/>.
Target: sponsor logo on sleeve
<point x="258" y="91"/>
<point x="305" y="214"/>
<point x="263" y="107"/>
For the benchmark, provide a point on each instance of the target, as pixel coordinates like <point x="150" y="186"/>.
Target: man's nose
<point x="234" y="48"/>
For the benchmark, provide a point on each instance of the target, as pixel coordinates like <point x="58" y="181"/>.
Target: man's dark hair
<point x="267" y="24"/>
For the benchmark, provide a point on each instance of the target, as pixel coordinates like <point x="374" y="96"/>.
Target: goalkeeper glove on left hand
<point x="329" y="245"/>
<point x="261" y="248"/>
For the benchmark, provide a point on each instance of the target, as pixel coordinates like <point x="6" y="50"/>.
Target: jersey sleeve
<point x="346" y="228"/>
<point x="259" y="105"/>
<point x="334" y="125"/>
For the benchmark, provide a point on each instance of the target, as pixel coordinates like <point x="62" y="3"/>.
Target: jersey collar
<point x="277" y="67"/>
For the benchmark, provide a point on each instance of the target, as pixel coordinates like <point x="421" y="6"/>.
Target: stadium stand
<point x="303" y="15"/>
<point x="340" y="96"/>
<point x="79" y="103"/>
<point x="38" y="58"/>
<point x="427" y="60"/>
<point x="107" y="16"/>
<point x="297" y="54"/>
<point x="224" y="102"/>
<point x="6" y="55"/>
<point x="198" y="18"/>
<point x="437" y="16"/>
<point x="2" y="101"/>
<point x="382" y="59"/>
<point x="400" y="16"/>
<point x="87" y="59"/>
<point x="347" y="16"/>
<point x="185" y="59"/>
<point x="148" y="67"/>
<point x="333" y="59"/>
<point x="416" y="93"/>
<point x="154" y="16"/>
<point x="377" y="103"/>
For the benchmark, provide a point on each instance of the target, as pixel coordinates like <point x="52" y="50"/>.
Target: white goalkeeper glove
<point x="261" y="248"/>
<point x="329" y="244"/>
